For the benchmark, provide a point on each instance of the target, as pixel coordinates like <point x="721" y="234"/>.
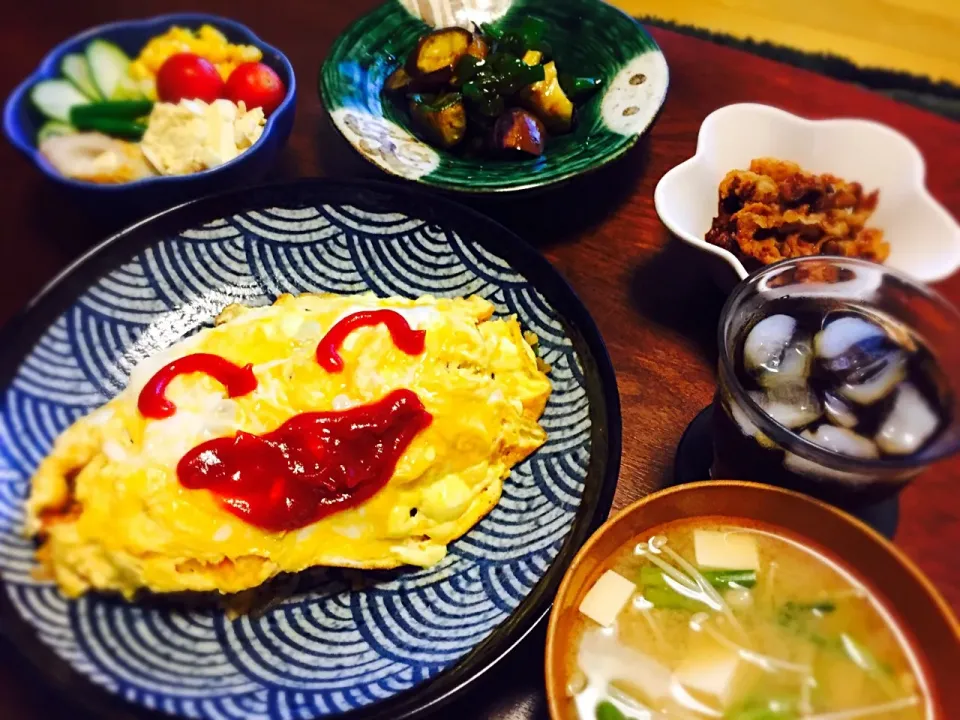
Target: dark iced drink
<point x="830" y="382"/>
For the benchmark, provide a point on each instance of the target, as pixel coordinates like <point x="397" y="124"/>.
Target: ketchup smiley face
<point x="316" y="463"/>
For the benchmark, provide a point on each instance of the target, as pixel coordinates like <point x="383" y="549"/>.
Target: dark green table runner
<point x="941" y="97"/>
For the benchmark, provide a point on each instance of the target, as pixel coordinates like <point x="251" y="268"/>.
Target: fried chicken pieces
<point x="775" y="210"/>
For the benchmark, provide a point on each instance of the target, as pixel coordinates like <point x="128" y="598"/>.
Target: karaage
<point x="775" y="210"/>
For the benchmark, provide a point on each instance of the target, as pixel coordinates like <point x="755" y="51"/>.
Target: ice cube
<point x="802" y="466"/>
<point x="867" y="386"/>
<point x="910" y="423"/>
<point x="862" y="356"/>
<point x="794" y="366"/>
<point x="839" y="440"/>
<point x="766" y="342"/>
<point x="867" y="363"/>
<point x="792" y="406"/>
<point x="774" y="352"/>
<point x="840" y="336"/>
<point x="843" y="441"/>
<point x="745" y="424"/>
<point x="838" y="412"/>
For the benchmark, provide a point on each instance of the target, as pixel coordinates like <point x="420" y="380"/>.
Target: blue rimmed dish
<point x="364" y="644"/>
<point x="21" y="120"/>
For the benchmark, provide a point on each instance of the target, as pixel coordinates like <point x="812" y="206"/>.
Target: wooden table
<point x="654" y="304"/>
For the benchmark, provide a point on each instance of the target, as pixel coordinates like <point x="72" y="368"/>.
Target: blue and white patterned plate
<point x="382" y="645"/>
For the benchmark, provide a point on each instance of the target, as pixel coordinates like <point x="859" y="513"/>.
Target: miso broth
<point x="710" y="618"/>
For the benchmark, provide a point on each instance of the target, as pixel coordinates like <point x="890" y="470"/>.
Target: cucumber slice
<point x="54" y="98"/>
<point x="75" y="69"/>
<point x="128" y="89"/>
<point x="109" y="65"/>
<point x="54" y="128"/>
<point x="147" y="87"/>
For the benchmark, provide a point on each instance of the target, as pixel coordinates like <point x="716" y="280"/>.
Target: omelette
<point x="111" y="507"/>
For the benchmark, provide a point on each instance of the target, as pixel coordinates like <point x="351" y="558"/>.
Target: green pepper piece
<point x="577" y="88"/>
<point x="507" y="73"/>
<point x="466" y="69"/>
<point x="490" y="31"/>
<point x="483" y="97"/>
<point x="472" y="91"/>
<point x="512" y="42"/>
<point x="606" y="710"/>
<point x="491" y="106"/>
<point x="527" y="75"/>
<point x="431" y="104"/>
<point x="117" y="127"/>
<point x="507" y="69"/>
<point x="483" y="77"/>
<point x="546" y="51"/>
<point x="117" y="109"/>
<point x="502" y="62"/>
<point x="531" y="31"/>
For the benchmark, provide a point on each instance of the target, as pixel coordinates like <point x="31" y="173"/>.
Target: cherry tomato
<point x="257" y="85"/>
<point x="189" y="76"/>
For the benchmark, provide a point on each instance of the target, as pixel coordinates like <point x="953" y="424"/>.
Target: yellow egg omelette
<point x="111" y="514"/>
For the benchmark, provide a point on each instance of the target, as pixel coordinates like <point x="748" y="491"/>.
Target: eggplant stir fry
<point x="490" y="91"/>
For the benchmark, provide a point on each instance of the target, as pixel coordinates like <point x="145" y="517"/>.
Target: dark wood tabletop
<point x="652" y="300"/>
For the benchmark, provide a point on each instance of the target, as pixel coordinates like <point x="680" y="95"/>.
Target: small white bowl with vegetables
<point x="181" y="104"/>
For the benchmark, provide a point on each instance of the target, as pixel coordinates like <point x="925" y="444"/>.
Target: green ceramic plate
<point x="588" y="38"/>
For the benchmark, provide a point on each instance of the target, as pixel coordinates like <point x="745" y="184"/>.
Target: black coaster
<point x="695" y="456"/>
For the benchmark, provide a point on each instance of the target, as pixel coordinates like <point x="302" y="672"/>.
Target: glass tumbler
<point x="750" y="445"/>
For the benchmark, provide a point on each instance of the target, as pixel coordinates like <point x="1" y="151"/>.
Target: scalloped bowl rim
<point x="917" y="172"/>
<point x="49" y="68"/>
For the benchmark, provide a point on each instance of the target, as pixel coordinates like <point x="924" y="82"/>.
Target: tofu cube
<point x="715" y="672"/>
<point x="606" y="598"/>
<point x="725" y="550"/>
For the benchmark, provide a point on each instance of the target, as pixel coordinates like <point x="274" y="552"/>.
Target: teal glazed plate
<point x="588" y="38"/>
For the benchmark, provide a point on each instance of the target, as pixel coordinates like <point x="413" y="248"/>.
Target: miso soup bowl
<point x="928" y="625"/>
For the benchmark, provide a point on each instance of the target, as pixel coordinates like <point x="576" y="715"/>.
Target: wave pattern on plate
<point x="346" y="639"/>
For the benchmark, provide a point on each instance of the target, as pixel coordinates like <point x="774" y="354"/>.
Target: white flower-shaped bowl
<point x="924" y="238"/>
